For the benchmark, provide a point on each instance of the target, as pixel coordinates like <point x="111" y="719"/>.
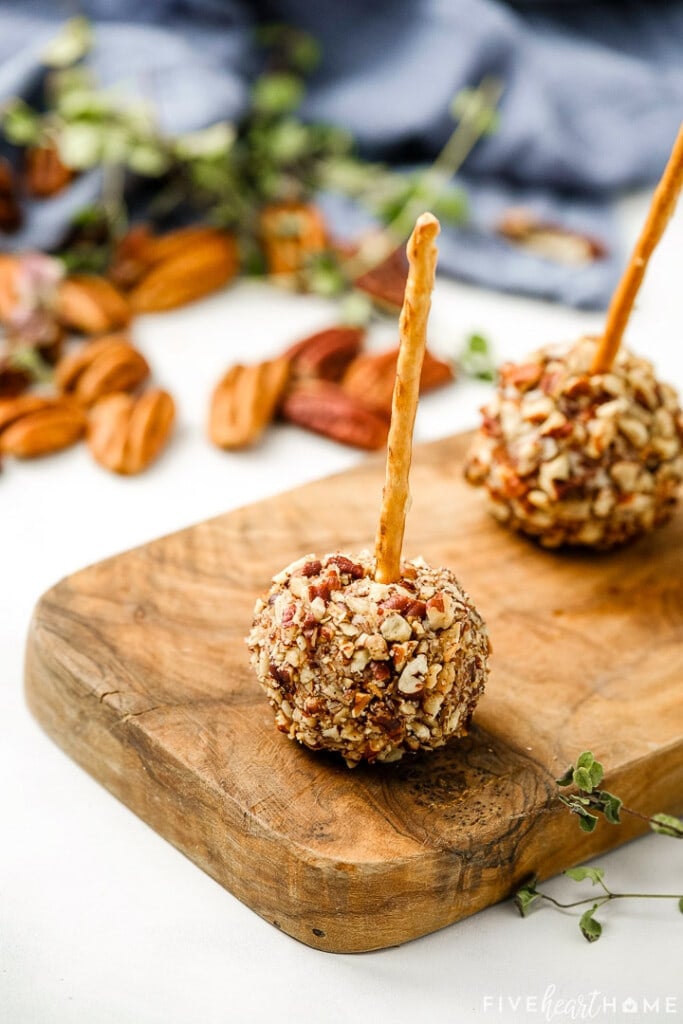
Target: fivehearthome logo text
<point x="550" y="1006"/>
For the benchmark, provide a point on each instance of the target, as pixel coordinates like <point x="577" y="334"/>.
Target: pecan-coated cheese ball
<point x="579" y="458"/>
<point x="368" y="669"/>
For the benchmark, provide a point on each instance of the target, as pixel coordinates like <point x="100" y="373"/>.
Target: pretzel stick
<point x="413" y="334"/>
<point x="661" y="209"/>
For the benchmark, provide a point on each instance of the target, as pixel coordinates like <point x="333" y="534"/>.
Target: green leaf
<point x="305" y="53"/>
<point x="596" y="773"/>
<point x="277" y="93"/>
<point x="356" y="309"/>
<point x="289" y="140"/>
<point x="476" y="359"/>
<point x="451" y="205"/>
<point x="30" y="361"/>
<point x="80" y="145"/>
<point x="587" y="822"/>
<point x="667" y="825"/>
<point x="582" y="780"/>
<point x="525" y="897"/>
<point x="590" y="928"/>
<point x="585" y="760"/>
<point x="680" y="904"/>
<point x="567" y="778"/>
<point x="148" y="159"/>
<point x="216" y="140"/>
<point x="596" y="875"/>
<point x="69" y="45"/>
<point x="116" y="144"/>
<point x="21" y="124"/>
<point x="609" y="804"/>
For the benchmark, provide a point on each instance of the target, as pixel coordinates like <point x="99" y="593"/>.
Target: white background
<point x="100" y="919"/>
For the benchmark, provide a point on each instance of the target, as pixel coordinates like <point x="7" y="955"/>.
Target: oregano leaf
<point x="567" y="778"/>
<point x="582" y="779"/>
<point x="590" y="928"/>
<point x="667" y="825"/>
<point x="525" y="897"/>
<point x="596" y="875"/>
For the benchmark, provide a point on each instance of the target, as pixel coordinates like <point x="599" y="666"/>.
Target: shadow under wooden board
<point x="137" y="667"/>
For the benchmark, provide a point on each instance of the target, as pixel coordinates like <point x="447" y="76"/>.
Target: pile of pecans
<point x="324" y="382"/>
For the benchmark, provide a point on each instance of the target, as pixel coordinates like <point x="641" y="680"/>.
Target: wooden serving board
<point x="137" y="667"/>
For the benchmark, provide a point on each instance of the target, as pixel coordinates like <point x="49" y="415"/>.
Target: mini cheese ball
<point x="370" y="670"/>
<point x="573" y="457"/>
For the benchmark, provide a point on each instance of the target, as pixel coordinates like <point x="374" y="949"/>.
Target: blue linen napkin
<point x="593" y="99"/>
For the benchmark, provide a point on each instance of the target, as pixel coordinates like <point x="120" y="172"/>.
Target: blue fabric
<point x="593" y="99"/>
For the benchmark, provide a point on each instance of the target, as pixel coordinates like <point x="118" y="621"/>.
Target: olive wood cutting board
<point x="138" y="668"/>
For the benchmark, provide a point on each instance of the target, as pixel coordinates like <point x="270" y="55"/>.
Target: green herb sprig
<point x="589" y="803"/>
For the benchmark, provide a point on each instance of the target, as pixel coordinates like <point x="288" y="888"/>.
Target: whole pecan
<point x="290" y="233"/>
<point x="370" y="378"/>
<point x="31" y="425"/>
<point x="327" y="354"/>
<point x="126" y="434"/>
<point x="191" y="266"/>
<point x="244" y="402"/>
<point x="45" y="175"/>
<point x="11" y="217"/>
<point x="131" y="261"/>
<point x="323" y="407"/>
<point x="91" y="305"/>
<point x="101" y="368"/>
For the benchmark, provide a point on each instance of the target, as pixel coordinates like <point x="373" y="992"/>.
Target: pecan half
<point x="290" y="233"/>
<point x="244" y="402"/>
<point x="101" y="368"/>
<point x="11" y="217"/>
<point x="386" y="283"/>
<point x="196" y="264"/>
<point x="327" y="354"/>
<point x="9" y="284"/>
<point x="32" y="426"/>
<point x="324" y="408"/>
<point x="370" y="378"/>
<point x="13" y="381"/>
<point x="551" y="241"/>
<point x="91" y="304"/>
<point x="45" y="174"/>
<point x="126" y="434"/>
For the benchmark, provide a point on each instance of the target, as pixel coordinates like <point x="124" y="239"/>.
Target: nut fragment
<point x="326" y="354"/>
<point x="245" y="401"/>
<point x="101" y="368"/>
<point x="190" y="268"/>
<point x="126" y="434"/>
<point x="31" y="426"/>
<point x="370" y="378"/>
<point x="324" y="408"/>
<point x="91" y="305"/>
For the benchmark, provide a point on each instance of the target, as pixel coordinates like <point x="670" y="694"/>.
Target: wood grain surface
<point x="138" y="668"/>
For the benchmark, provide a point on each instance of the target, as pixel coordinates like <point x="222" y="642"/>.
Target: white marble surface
<point x="100" y="919"/>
